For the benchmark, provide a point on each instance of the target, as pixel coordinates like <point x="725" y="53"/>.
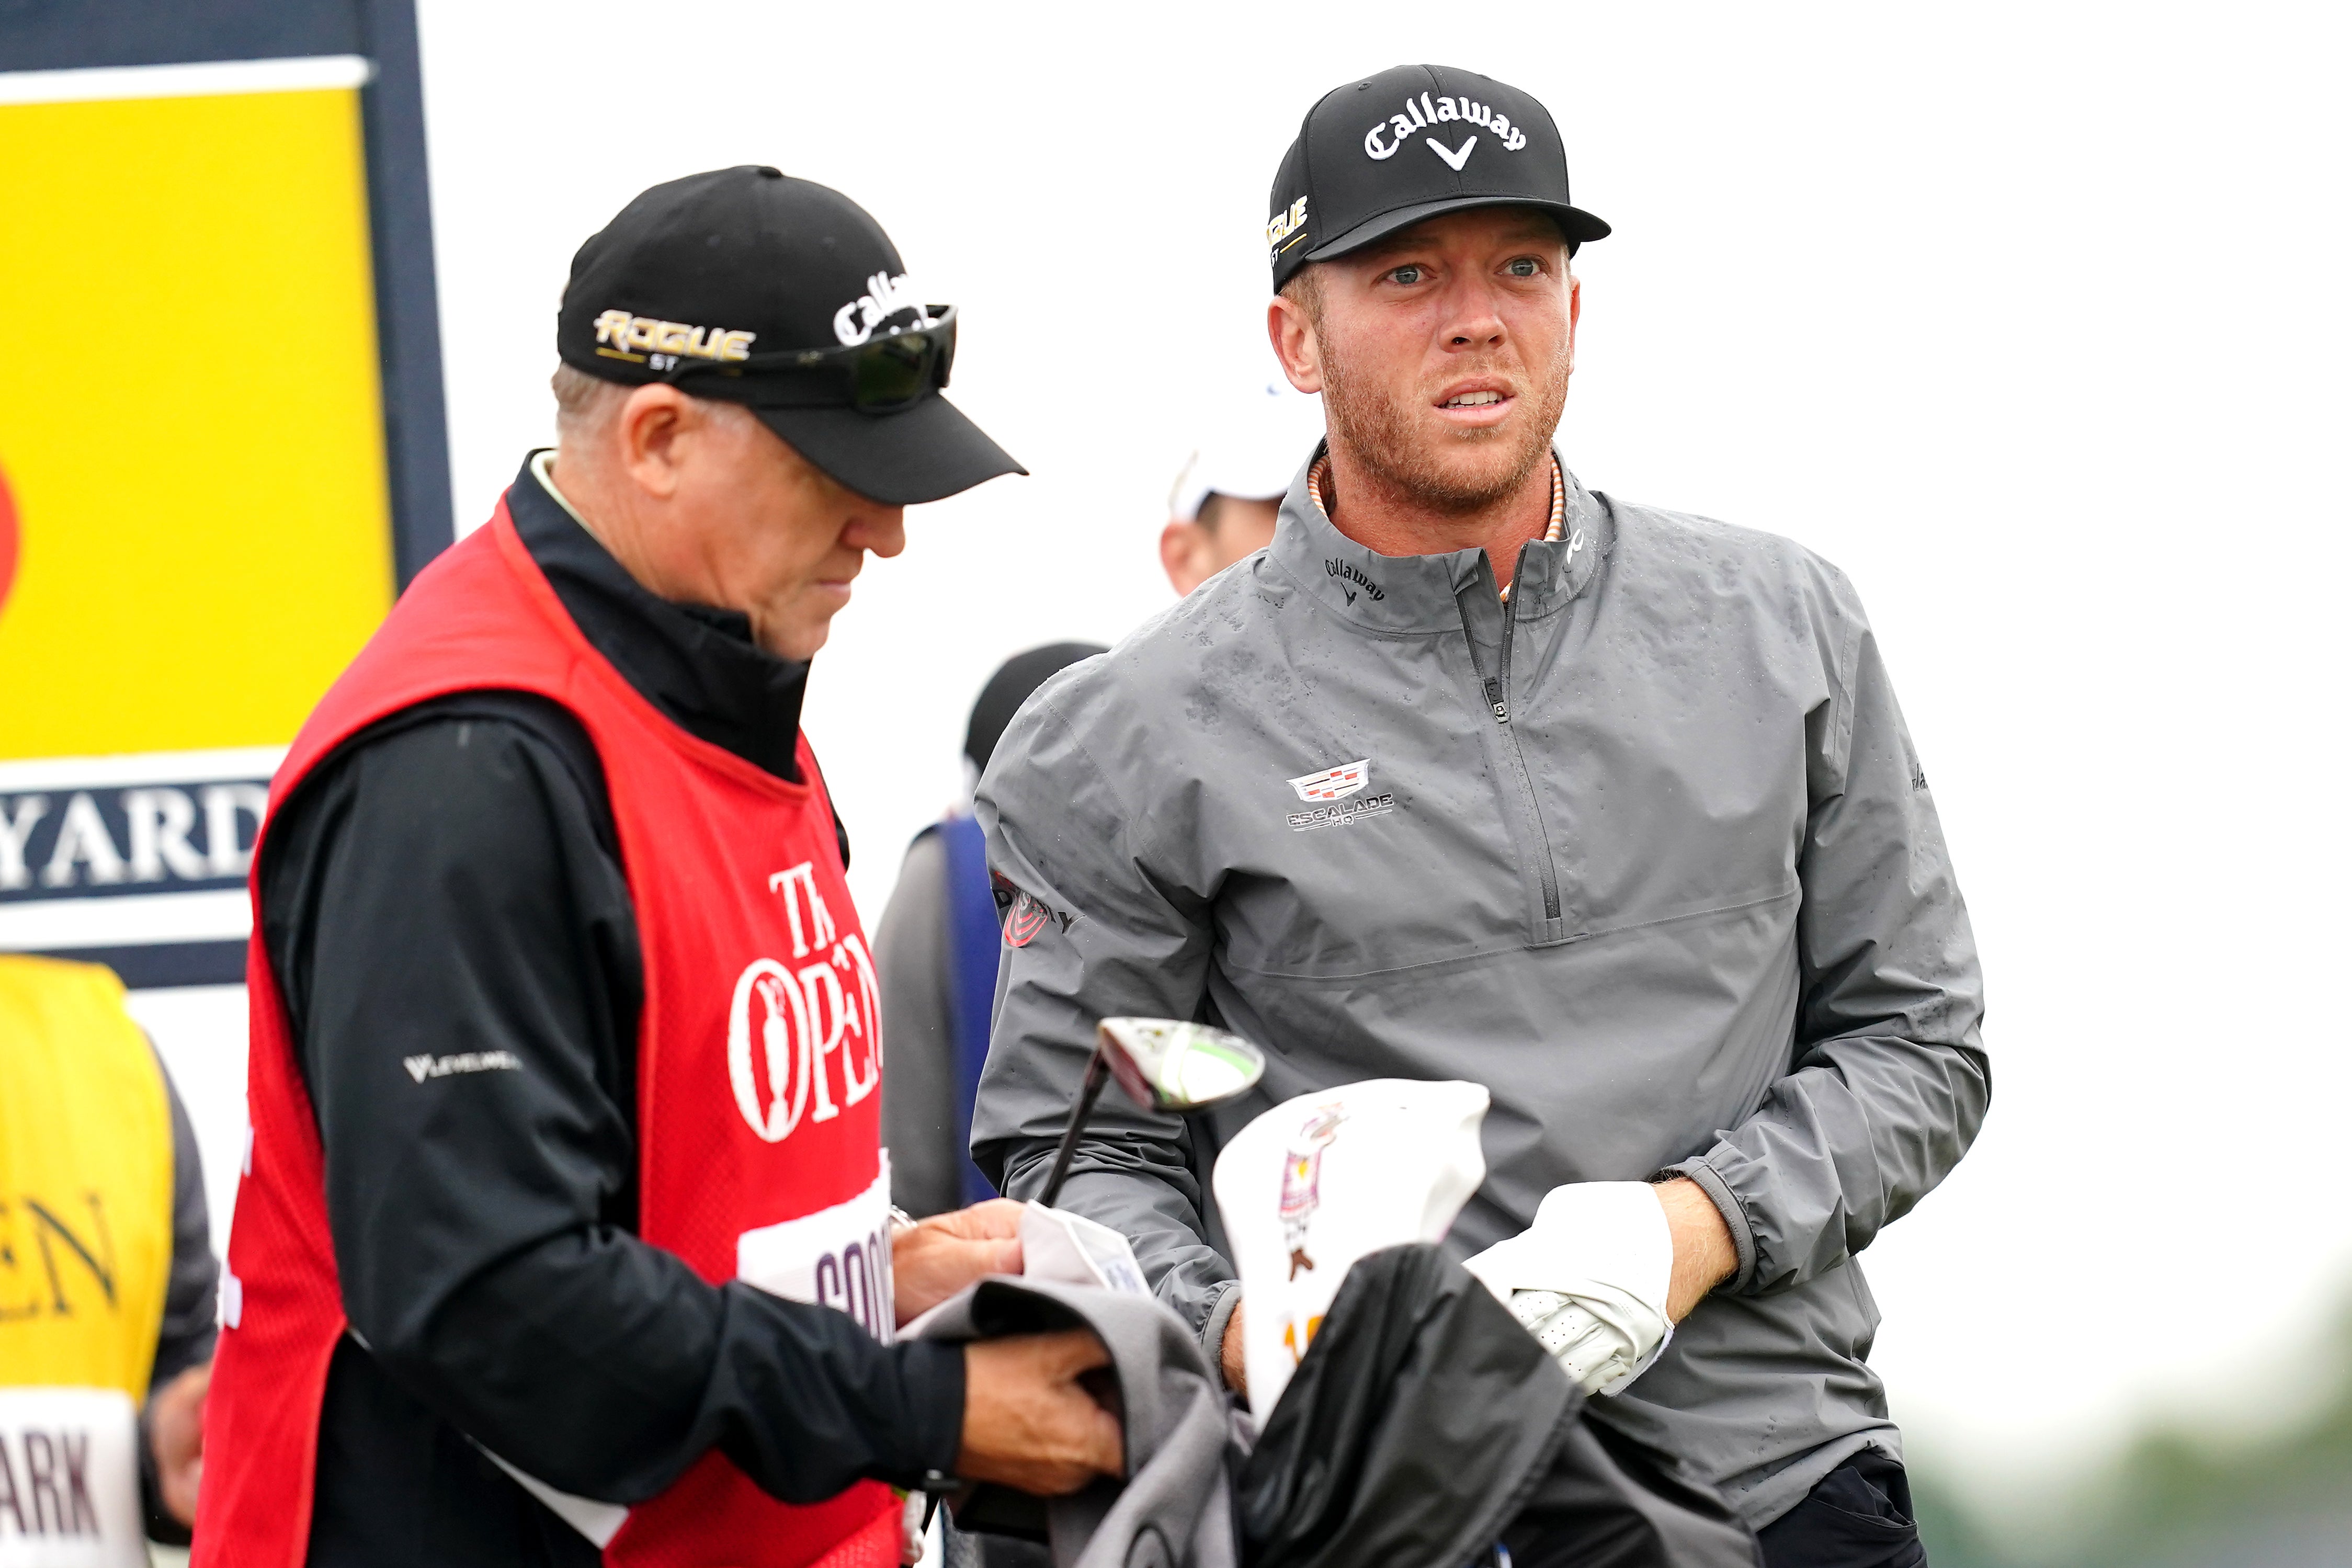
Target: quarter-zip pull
<point x="1533" y="844"/>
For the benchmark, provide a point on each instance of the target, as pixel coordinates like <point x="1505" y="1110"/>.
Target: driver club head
<point x="1165" y="1064"/>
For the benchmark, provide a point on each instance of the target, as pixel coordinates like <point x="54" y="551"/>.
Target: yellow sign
<point x="191" y="437"/>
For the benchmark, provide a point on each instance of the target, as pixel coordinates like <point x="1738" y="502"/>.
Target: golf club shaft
<point x="1097" y="1074"/>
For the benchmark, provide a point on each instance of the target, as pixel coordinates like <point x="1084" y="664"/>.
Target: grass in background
<point x="2174" y="1500"/>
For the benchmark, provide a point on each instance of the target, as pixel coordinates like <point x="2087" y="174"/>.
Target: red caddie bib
<point x="758" y="1063"/>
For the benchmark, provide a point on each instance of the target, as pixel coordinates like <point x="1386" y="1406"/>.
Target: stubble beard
<point x="1413" y="464"/>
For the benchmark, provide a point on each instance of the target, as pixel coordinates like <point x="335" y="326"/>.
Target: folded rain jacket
<point x="1174" y="1508"/>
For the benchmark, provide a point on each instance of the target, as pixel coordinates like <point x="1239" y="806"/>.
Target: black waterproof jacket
<point x="1424" y="1425"/>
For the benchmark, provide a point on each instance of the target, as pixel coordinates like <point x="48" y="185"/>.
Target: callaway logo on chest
<point x="1421" y="112"/>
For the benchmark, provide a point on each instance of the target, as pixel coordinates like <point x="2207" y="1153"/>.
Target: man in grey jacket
<point x="1477" y="773"/>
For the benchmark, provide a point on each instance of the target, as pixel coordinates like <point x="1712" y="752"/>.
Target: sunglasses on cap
<point x="888" y="372"/>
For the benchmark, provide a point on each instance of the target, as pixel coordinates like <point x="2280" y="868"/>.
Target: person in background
<point x="941" y="932"/>
<point x="107" y="1277"/>
<point x="1225" y="502"/>
<point x="937" y="950"/>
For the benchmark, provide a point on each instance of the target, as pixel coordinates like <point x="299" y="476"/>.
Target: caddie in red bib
<point x="564" y="1233"/>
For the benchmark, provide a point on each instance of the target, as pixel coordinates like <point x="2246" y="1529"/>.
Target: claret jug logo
<point x="1302" y="1180"/>
<point x="1301" y="1195"/>
<point x="816" y="1020"/>
<point x="619" y="335"/>
<point x="1421" y="114"/>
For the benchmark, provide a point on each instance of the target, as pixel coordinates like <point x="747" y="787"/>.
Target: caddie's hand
<point x="939" y="1257"/>
<point x="175" y="1430"/>
<point x="1028" y="1422"/>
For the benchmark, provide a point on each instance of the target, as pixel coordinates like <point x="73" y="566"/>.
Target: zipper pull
<point x="1495" y="700"/>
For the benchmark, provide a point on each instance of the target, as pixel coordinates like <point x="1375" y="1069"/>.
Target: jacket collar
<point x="697" y="664"/>
<point x="1409" y="594"/>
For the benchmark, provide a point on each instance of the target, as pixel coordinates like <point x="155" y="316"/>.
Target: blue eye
<point x="1406" y="275"/>
<point x="1525" y="266"/>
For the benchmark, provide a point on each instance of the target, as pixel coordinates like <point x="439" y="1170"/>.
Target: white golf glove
<point x="1589" y="1280"/>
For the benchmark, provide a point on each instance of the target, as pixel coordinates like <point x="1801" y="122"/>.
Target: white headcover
<point x="1321" y="1180"/>
<point x="1250" y="450"/>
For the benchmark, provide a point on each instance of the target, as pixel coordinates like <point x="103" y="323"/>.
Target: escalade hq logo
<point x="1320" y="790"/>
<point x="1333" y="783"/>
<point x="817" y="1023"/>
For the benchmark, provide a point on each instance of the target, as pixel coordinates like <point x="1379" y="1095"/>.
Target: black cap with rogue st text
<point x="1376" y="156"/>
<point x="786" y="296"/>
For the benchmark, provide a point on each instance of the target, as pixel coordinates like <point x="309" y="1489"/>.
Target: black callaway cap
<point x="703" y="280"/>
<point x="1376" y="156"/>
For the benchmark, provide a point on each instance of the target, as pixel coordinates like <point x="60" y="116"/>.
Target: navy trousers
<point x="1858" y="1517"/>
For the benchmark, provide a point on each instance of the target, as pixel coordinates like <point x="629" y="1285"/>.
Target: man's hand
<point x="1229" y="1354"/>
<point x="1591" y="1279"/>
<point x="1028" y="1423"/>
<point x="1704" y="1254"/>
<point x="175" y="1430"/>
<point x="945" y="1253"/>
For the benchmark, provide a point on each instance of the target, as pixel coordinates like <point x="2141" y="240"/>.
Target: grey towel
<point x="1174" y="1508"/>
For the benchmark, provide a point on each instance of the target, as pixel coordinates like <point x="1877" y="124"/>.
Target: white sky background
<point x="2029" y="316"/>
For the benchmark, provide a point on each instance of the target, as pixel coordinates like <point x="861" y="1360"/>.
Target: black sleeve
<point x="449" y="883"/>
<point x="185" y="1338"/>
<point x="188" y="1330"/>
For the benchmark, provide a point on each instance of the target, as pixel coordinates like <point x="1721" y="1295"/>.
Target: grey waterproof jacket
<point x="1645" y="850"/>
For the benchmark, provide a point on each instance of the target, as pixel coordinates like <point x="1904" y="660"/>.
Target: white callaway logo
<point x="1419" y="115"/>
<point x="1333" y="783"/>
<point x="885" y="296"/>
<point x="813" y="1023"/>
<point x="1453" y="159"/>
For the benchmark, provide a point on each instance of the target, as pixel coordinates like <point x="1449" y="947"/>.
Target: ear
<point x="1293" y="337"/>
<point x="653" y="427"/>
<point x="1575" y="309"/>
<point x="1183" y="555"/>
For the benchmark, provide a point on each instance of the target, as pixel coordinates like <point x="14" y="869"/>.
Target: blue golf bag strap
<point x="975" y="939"/>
